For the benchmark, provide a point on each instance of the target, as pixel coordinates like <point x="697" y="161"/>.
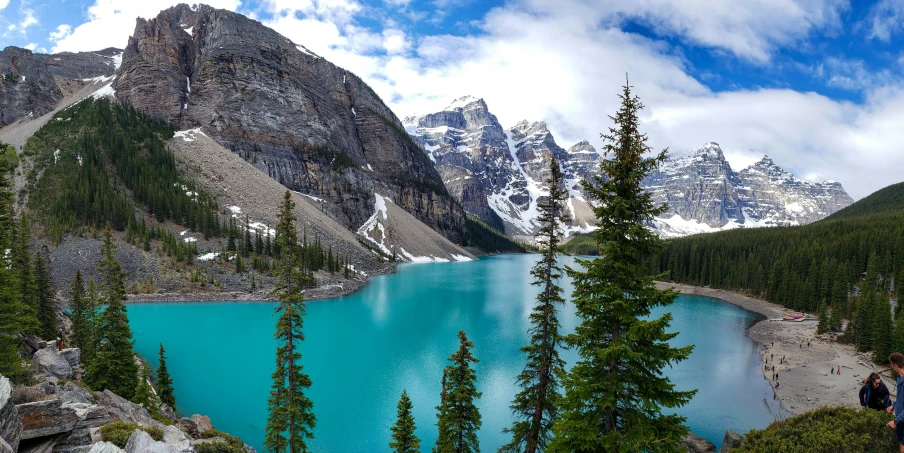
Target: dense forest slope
<point x="800" y="267"/>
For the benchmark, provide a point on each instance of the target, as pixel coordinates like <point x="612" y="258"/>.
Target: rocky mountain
<point x="33" y="84"/>
<point x="314" y="127"/>
<point x="498" y="175"/>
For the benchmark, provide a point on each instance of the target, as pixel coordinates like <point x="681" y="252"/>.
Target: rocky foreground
<point x="61" y="415"/>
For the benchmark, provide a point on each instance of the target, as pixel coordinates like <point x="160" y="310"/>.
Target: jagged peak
<point x="462" y="102"/>
<point x="525" y="125"/>
<point x="710" y="149"/>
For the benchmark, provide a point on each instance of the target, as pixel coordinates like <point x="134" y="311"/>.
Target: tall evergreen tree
<point x="534" y="406"/>
<point x="114" y="366"/>
<point x="23" y="272"/>
<point x="15" y="315"/>
<point x="403" y="438"/>
<point x="823" y="325"/>
<point x="615" y="393"/>
<point x="77" y="305"/>
<point x="882" y="340"/>
<point x="90" y="335"/>
<point x="164" y="382"/>
<point x="290" y="411"/>
<point x="44" y="292"/>
<point x="458" y="418"/>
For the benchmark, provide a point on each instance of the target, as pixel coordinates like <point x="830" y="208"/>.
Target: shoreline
<point x="804" y="377"/>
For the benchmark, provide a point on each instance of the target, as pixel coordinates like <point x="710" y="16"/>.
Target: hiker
<point x="897" y="364"/>
<point x="874" y="394"/>
<point x="772" y="356"/>
<point x="773" y="367"/>
<point x="808" y="343"/>
<point x="832" y="370"/>
<point x="776" y="386"/>
<point x="59" y="340"/>
<point x="839" y="370"/>
<point x="773" y="344"/>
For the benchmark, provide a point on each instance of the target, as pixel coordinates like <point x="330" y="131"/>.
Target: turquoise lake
<point x="397" y="332"/>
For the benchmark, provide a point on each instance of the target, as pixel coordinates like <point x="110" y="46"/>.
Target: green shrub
<point x="9" y="160"/>
<point x="217" y="447"/>
<point x="232" y="440"/>
<point x="118" y="433"/>
<point x="829" y="429"/>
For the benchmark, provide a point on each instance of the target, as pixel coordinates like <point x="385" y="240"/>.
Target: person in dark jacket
<point x="874" y="394"/>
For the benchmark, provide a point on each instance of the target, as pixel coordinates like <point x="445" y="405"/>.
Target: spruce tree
<point x="290" y="411"/>
<point x="90" y="335"/>
<point x="835" y="318"/>
<point x="534" y="407"/>
<point x="44" y="292"/>
<point x="403" y="438"/>
<point x="458" y="418"/>
<point x="78" y="307"/>
<point x="114" y="366"/>
<point x="882" y="339"/>
<point x="823" y="325"/>
<point x="615" y="393"/>
<point x="15" y="315"/>
<point x="23" y="273"/>
<point x="164" y="382"/>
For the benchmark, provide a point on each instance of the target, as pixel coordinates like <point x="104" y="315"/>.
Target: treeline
<point x="486" y="238"/>
<point x="96" y="159"/>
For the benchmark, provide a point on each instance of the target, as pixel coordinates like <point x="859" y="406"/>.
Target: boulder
<point x="43" y="445"/>
<point x="10" y="426"/>
<point x="90" y="416"/>
<point x="73" y="356"/>
<point x="105" y="447"/>
<point x="189" y="428"/>
<point x="732" y="440"/>
<point x="167" y="411"/>
<point x="45" y="418"/>
<point x="202" y="422"/>
<point x="71" y="393"/>
<point x="141" y="442"/>
<point x="51" y="362"/>
<point x="127" y="411"/>
<point x="174" y="437"/>
<point x="697" y="444"/>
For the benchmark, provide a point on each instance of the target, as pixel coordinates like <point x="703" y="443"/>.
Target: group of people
<point x="874" y="395"/>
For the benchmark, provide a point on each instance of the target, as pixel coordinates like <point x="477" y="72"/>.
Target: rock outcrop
<point x="141" y="442"/>
<point x="732" y="440"/>
<point x="51" y="362"/>
<point x="45" y="418"/>
<point x="697" y="444"/>
<point x="10" y="426"/>
<point x="32" y="84"/>
<point x="314" y="127"/>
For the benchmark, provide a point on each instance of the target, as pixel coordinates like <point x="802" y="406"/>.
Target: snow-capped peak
<point x="710" y="149"/>
<point x="461" y="102"/>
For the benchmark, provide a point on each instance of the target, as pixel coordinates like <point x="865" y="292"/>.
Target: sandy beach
<point x="805" y="381"/>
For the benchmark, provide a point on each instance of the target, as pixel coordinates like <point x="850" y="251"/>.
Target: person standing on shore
<point x="874" y="394"/>
<point x="897" y="364"/>
<point x="832" y="370"/>
<point x="839" y="370"/>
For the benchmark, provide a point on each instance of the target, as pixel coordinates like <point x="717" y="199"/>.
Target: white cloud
<point x="60" y="33"/>
<point x="886" y="18"/>
<point x="111" y="22"/>
<point x="28" y="19"/>
<point x="31" y="46"/>
<point x="3" y="3"/>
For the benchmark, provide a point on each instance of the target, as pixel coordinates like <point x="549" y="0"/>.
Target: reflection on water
<point x="397" y="332"/>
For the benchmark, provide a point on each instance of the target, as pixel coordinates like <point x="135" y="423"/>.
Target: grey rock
<point x="44" y="445"/>
<point x="73" y="356"/>
<point x="71" y="393"/>
<point x="141" y="442"/>
<point x="189" y="427"/>
<point x="51" y="362"/>
<point x="175" y="438"/>
<point x="105" y="447"/>
<point x="314" y="127"/>
<point x="202" y="422"/>
<point x="45" y="418"/>
<point x="127" y="411"/>
<point x="10" y="426"/>
<point x="249" y="448"/>
<point x="697" y="444"/>
<point x="732" y="440"/>
<point x="5" y="447"/>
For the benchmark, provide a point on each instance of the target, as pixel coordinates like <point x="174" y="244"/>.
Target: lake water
<point x="398" y="331"/>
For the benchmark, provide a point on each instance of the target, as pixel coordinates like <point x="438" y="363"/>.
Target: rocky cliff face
<point x="499" y="174"/>
<point x="314" y="127"/>
<point x="32" y="84"/>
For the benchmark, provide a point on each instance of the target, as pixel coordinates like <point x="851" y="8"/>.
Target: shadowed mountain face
<point x="499" y="175"/>
<point x="314" y="127"/>
<point x="32" y="84"/>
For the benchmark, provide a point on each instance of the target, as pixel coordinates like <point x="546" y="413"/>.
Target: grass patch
<point x="118" y="433"/>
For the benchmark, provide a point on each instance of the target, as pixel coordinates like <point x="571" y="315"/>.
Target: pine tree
<point x="882" y="339"/>
<point x="114" y="366"/>
<point x="90" y="335"/>
<point x="164" y="382"/>
<point x="823" y="325"/>
<point x="78" y="307"/>
<point x="535" y="405"/>
<point x="458" y="418"/>
<point x="44" y="292"/>
<point x="403" y="438"/>
<point x="15" y="315"/>
<point x="615" y="393"/>
<point x="23" y="274"/>
<point x="836" y="318"/>
<point x="290" y="411"/>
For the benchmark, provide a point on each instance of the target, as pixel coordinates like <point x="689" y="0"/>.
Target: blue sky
<point x="815" y="84"/>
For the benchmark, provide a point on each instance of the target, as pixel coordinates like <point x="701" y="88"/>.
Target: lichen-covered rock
<point x="189" y="427"/>
<point x="732" y="440"/>
<point x="105" y="447"/>
<point x="175" y="438"/>
<point x="44" y="418"/>
<point x="127" y="411"/>
<point x="314" y="127"/>
<point x="202" y="422"/>
<point x="71" y="393"/>
<point x="141" y="442"/>
<point x="51" y="362"/>
<point x="10" y="426"/>
<point x="697" y="444"/>
<point x="73" y="356"/>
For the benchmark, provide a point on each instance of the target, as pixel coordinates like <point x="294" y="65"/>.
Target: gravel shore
<point x="804" y="377"/>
